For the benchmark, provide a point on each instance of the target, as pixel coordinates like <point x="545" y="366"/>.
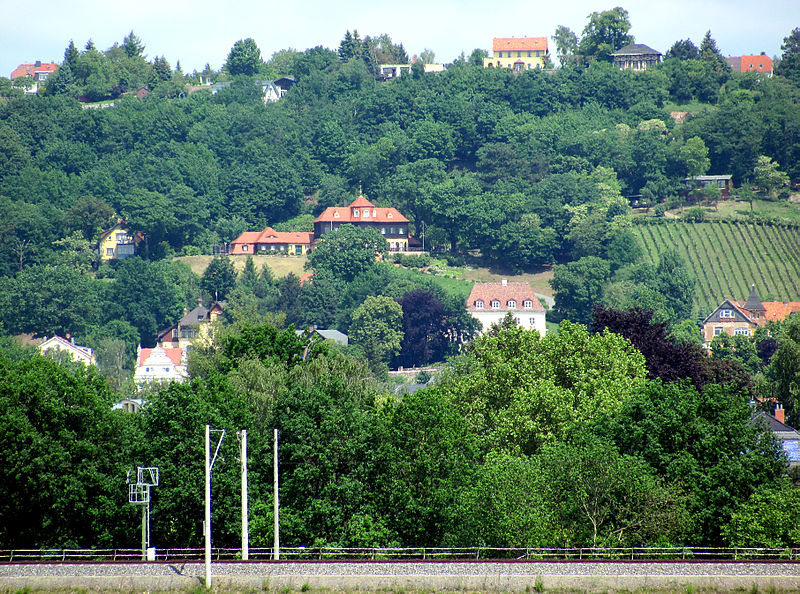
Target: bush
<point x="454" y="260"/>
<point x="660" y="209"/>
<point x="413" y="260"/>
<point x="695" y="214"/>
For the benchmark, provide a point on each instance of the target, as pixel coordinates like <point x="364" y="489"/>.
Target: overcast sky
<point x="197" y="32"/>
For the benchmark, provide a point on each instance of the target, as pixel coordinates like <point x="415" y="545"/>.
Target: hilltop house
<point x="273" y="90"/>
<point x="271" y="241"/>
<point x="362" y="213"/>
<point x="81" y="354"/>
<point x="742" y="318"/>
<point x="636" y="56"/>
<point x="118" y="243"/>
<point x="37" y="71"/>
<point x="389" y="71"/>
<point x="517" y="53"/>
<point x="490" y="302"/>
<point x="194" y="325"/>
<point x="761" y="63"/>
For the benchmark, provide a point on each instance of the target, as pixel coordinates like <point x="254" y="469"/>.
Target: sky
<point x="197" y="32"/>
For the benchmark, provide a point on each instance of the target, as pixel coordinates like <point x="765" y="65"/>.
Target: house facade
<point x="636" y="56"/>
<point x="56" y="344"/>
<point x="788" y="436"/>
<point x="195" y="325"/>
<point x="160" y="365"/>
<point x="490" y="302"/>
<point x="273" y="90"/>
<point x="361" y="212"/>
<point x="742" y="318"/>
<point x="37" y="71"/>
<point x="517" y="53"/>
<point x="723" y="183"/>
<point x="119" y="243"/>
<point x="270" y="241"/>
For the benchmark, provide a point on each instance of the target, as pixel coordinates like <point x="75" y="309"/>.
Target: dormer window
<point x="374" y="212"/>
<point x="355" y="212"/>
<point x="495" y="304"/>
<point x="335" y="214"/>
<point x="512" y="304"/>
<point x="527" y="304"/>
<point x="366" y="213"/>
<point x="479" y="304"/>
<point x="388" y="215"/>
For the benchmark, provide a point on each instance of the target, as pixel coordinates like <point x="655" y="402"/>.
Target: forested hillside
<point x="618" y="429"/>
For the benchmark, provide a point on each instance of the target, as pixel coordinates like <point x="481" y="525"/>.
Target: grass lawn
<point x="280" y="265"/>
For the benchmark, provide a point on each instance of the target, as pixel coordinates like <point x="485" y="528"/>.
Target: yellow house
<point x="194" y="325"/>
<point x="517" y="53"/>
<point x="117" y="243"/>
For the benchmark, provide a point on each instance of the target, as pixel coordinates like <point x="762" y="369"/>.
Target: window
<point x="109" y="251"/>
<point x="742" y="331"/>
<point x="726" y="313"/>
<point x="479" y="304"/>
<point x="374" y="212"/>
<point x="383" y="230"/>
<point x="401" y="230"/>
<point x="529" y="54"/>
<point x="512" y="304"/>
<point x="166" y="370"/>
<point x="335" y="214"/>
<point x="717" y="330"/>
<point x="366" y="213"/>
<point x="245" y="248"/>
<point x="388" y="215"/>
<point x="527" y="304"/>
<point x="790" y="446"/>
<point x="532" y="322"/>
<point x="355" y="212"/>
<point x="495" y="304"/>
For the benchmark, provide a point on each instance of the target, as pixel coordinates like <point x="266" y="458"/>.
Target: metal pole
<point x="207" y="523"/>
<point x="276" y="551"/>
<point x="245" y="530"/>
<point x="144" y="533"/>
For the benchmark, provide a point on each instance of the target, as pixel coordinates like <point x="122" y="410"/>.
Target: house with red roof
<point x="269" y="241"/>
<point x="37" y="71"/>
<point x="362" y="213"/>
<point x="761" y="63"/>
<point x="490" y="302"/>
<point x="517" y="53"/>
<point x="160" y="365"/>
<point x="743" y="317"/>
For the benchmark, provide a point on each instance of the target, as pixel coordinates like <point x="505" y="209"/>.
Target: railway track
<point x="590" y="575"/>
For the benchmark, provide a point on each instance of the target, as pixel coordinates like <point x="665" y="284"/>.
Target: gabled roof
<point x="516" y="44"/>
<point x="269" y="236"/>
<point x="121" y="226"/>
<point x="160" y="356"/>
<point x="64" y="344"/>
<point x="488" y="292"/>
<point x="636" y="49"/>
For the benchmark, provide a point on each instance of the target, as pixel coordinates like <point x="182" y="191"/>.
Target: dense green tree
<point x="766" y="519"/>
<point x="768" y="177"/>
<point x="683" y="49"/>
<point x="132" y="45"/>
<point x="244" y="58"/>
<point x="377" y="327"/>
<point x="63" y="468"/>
<point x="347" y="252"/>
<point x="218" y="278"/>
<point x="566" y="44"/>
<point x="606" y="32"/>
<point x="704" y="442"/>
<point x="578" y="286"/>
<point x="425" y="329"/>
<point x="710" y="54"/>
<point x="789" y="63"/>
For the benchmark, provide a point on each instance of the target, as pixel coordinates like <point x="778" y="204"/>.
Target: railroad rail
<point x="407" y="553"/>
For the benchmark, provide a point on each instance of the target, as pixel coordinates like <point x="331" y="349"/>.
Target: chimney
<point x="779" y="413"/>
<point x="504" y="282"/>
<point x="199" y="302"/>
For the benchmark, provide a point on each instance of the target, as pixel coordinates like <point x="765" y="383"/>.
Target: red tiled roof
<point x="488" y="292"/>
<point x="344" y="214"/>
<point x="31" y="69"/>
<point x="761" y="63"/>
<point x="175" y="355"/>
<point x="515" y="44"/>
<point x="269" y="236"/>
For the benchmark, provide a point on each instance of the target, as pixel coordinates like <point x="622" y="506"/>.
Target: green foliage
<point x="766" y="519"/>
<point x="347" y="252"/>
<point x="578" y="286"/>
<point x="218" y="278"/>
<point x="244" y="58"/>
<point x="63" y="468"/>
<point x="378" y="328"/>
<point x="605" y="33"/>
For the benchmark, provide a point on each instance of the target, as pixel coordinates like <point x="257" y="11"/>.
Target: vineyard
<point x="727" y="257"/>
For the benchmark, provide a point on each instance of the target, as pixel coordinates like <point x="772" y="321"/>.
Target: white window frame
<point x="479" y="304"/>
<point x="495" y="304"/>
<point x="511" y="304"/>
<point x="718" y="330"/>
<point x="726" y="313"/>
<point x="527" y="304"/>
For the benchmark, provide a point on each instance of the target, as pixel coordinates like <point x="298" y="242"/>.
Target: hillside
<point x="726" y="257"/>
